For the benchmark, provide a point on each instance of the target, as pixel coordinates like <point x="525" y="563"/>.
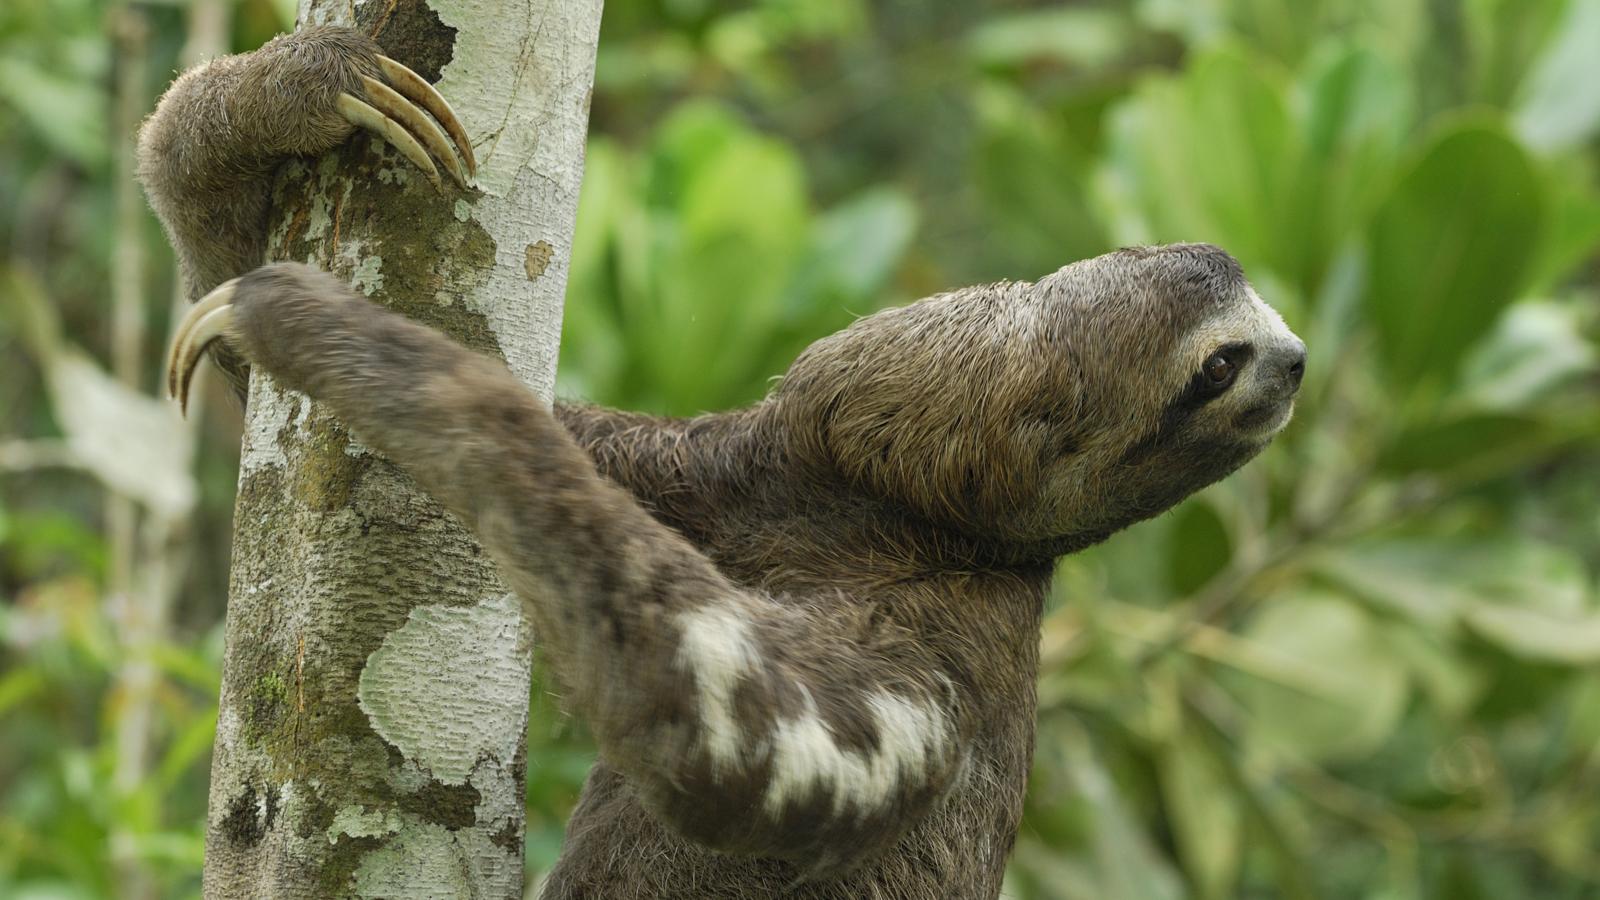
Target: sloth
<point x="804" y="633"/>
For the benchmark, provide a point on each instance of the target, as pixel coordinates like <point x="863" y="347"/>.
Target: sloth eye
<point x="1219" y="369"/>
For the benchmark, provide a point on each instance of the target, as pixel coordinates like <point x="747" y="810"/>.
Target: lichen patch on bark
<point x="411" y="32"/>
<point x="356" y="820"/>
<point x="537" y="258"/>
<point x="366" y="272"/>
<point x="437" y="680"/>
<point x="327" y="472"/>
<point x="424" y="860"/>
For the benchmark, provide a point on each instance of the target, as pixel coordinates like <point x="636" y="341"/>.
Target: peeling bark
<point x="374" y="701"/>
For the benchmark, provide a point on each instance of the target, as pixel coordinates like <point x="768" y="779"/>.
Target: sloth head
<point x="1055" y="412"/>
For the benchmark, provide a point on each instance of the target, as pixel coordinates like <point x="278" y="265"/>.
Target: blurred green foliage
<point x="1367" y="666"/>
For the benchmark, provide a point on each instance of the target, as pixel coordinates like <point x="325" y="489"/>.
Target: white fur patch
<point x="716" y="646"/>
<point x="807" y="759"/>
<point x="1252" y="321"/>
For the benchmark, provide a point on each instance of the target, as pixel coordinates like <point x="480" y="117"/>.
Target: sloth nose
<point x="1294" y="365"/>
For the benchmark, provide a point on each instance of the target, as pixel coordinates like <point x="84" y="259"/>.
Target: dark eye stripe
<point x="1202" y="390"/>
<point x="1180" y="409"/>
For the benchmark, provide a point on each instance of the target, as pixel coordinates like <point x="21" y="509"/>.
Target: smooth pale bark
<point x="374" y="700"/>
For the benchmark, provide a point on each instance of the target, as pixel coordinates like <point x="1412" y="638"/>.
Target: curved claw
<point x="359" y="113"/>
<point x="205" y="322"/>
<point x="399" y="113"/>
<point x="416" y="89"/>
<point x="391" y="104"/>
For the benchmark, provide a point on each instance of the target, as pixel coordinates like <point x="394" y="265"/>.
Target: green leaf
<point x="1435" y="580"/>
<point x="1227" y="153"/>
<point x="19" y="685"/>
<point x="1081" y="36"/>
<point x="1450" y="248"/>
<point x="1210" y="156"/>
<point x="593" y="353"/>
<point x="287" y="11"/>
<point x="857" y="244"/>
<point x="705" y="250"/>
<point x="1445" y="676"/>
<point x="187" y="746"/>
<point x="69" y="115"/>
<point x="132" y="442"/>
<point x="1033" y="183"/>
<point x="1492" y="440"/>
<point x="1363" y="686"/>
<point x="50" y="890"/>
<point x="1206" y="817"/>
<point x="1198" y="546"/>
<point x="128" y="440"/>
<point x="1196" y="21"/>
<point x="1572" y="639"/>
<point x="1505" y="38"/>
<point x="1401" y="576"/>
<point x="1354" y="96"/>
<point x="1537" y="347"/>
<point x="742" y="230"/>
<point x="1560" y="107"/>
<point x="1119" y="860"/>
<point x="1574" y="220"/>
<point x="1357" y="111"/>
<point x="690" y="261"/>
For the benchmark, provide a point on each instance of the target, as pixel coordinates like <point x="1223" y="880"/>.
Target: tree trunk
<point x="371" y="739"/>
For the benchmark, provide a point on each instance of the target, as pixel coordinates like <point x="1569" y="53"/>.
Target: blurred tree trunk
<point x="374" y="701"/>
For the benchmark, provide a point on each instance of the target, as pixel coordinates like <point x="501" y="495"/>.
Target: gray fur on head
<point x="1014" y="408"/>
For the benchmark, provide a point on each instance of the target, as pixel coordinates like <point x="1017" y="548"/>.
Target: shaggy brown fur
<point x="804" y="633"/>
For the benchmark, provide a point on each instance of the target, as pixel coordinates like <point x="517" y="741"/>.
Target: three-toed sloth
<point x="804" y="633"/>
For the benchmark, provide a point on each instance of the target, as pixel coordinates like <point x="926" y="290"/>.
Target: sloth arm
<point x="745" y="724"/>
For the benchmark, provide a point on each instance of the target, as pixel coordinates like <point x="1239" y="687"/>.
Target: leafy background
<point x="1363" y="667"/>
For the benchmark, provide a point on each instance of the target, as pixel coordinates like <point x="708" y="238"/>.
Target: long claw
<point x="205" y="322"/>
<point x="416" y="89"/>
<point x="219" y="297"/>
<point x="359" y="113"/>
<point x="414" y="120"/>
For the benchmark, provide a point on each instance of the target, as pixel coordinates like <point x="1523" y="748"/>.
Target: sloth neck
<point x="725" y="479"/>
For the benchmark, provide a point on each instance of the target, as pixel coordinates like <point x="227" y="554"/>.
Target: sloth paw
<point x="398" y="110"/>
<point x="303" y="93"/>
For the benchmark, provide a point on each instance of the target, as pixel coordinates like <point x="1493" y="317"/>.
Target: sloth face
<point x="1233" y="402"/>
<point x="1212" y="379"/>
<point x="1053" y="412"/>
